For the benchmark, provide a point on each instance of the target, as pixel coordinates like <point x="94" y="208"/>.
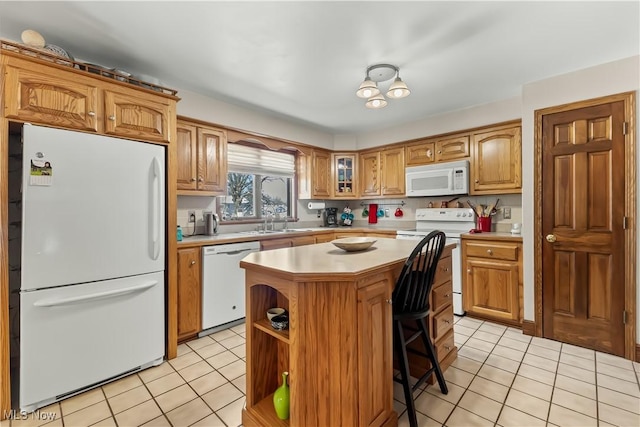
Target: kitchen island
<point x="338" y="348"/>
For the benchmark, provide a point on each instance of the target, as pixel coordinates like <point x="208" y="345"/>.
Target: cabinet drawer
<point x="504" y="251"/>
<point x="442" y="322"/>
<point x="441" y="296"/>
<point x="445" y="345"/>
<point x="443" y="272"/>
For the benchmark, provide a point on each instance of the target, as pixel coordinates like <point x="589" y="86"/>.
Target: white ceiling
<point x="303" y="61"/>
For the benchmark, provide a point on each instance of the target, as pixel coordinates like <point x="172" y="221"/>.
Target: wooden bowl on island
<point x="354" y="244"/>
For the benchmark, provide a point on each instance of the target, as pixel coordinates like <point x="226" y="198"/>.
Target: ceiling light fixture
<point x="381" y="73"/>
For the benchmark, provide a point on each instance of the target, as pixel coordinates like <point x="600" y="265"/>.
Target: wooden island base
<point x="338" y="348"/>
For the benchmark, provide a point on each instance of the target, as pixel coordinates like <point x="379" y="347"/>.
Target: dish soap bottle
<point x="179" y="234"/>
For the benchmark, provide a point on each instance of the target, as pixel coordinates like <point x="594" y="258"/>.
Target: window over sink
<point x="259" y="184"/>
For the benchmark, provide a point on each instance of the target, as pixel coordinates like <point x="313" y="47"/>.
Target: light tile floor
<point x="501" y="378"/>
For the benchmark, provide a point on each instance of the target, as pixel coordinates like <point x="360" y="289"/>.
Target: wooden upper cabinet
<point x="321" y="174"/>
<point x="344" y="175"/>
<point x="68" y="98"/>
<point x="496" y="161"/>
<point x="369" y="170"/>
<point x="57" y="98"/>
<point x="202" y="159"/>
<point x="187" y="149"/>
<point x="136" y="116"/>
<point x="452" y="148"/>
<point x="212" y="160"/>
<point x="392" y="172"/>
<point x="421" y="153"/>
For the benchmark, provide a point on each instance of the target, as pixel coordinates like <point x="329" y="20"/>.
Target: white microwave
<point x="440" y="179"/>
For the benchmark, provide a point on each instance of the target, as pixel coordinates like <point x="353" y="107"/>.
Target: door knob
<point x="551" y="238"/>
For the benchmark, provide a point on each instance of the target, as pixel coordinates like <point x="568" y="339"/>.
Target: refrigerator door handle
<point x="155" y="227"/>
<point x="53" y="302"/>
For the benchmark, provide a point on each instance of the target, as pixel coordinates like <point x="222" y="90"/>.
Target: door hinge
<point x="625" y="128"/>
<point x="624" y="317"/>
<point x="625" y="222"/>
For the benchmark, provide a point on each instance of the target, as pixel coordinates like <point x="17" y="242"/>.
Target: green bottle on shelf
<point x="281" y="399"/>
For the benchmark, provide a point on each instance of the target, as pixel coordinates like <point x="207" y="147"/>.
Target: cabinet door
<point x="187" y="156"/>
<point x="136" y="116"/>
<point x="496" y="162"/>
<point x="421" y="154"/>
<point x="325" y="237"/>
<point x="344" y="175"/>
<point x="212" y="160"/>
<point x="189" y="293"/>
<point x="370" y="174"/>
<point x="452" y="148"/>
<point x="392" y="172"/>
<point x="375" y="353"/>
<point x="321" y="182"/>
<point x="491" y="289"/>
<point x="266" y="245"/>
<point x="303" y="241"/>
<point x="55" y="98"/>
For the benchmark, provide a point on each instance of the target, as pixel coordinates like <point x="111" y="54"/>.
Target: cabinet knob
<point x="112" y="118"/>
<point x="446" y="269"/>
<point x="193" y="179"/>
<point x="447" y="321"/>
<point x="447" y="295"/>
<point x="439" y="151"/>
<point x="429" y="153"/>
<point x="489" y="251"/>
<point x="193" y="262"/>
<point x="200" y="179"/>
<point x="468" y="270"/>
<point x="446" y="347"/>
<point x="91" y="114"/>
<point x="389" y="301"/>
<point x="477" y="181"/>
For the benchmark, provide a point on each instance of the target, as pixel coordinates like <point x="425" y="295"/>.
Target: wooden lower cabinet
<point x="337" y="349"/>
<point x="492" y="279"/>
<point x="325" y="237"/>
<point x="266" y="245"/>
<point x="189" y="293"/>
<point x="440" y="322"/>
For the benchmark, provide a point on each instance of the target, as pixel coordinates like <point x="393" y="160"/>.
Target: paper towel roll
<point x="316" y="205"/>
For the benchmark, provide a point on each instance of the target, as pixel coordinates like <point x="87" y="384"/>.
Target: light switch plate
<point x="506" y="212"/>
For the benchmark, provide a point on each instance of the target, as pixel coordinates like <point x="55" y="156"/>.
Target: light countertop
<point x="325" y="258"/>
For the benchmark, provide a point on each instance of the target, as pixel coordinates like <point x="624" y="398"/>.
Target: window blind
<point x="251" y="160"/>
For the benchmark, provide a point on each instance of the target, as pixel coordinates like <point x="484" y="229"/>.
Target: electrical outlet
<point x="192" y="216"/>
<point x="506" y="212"/>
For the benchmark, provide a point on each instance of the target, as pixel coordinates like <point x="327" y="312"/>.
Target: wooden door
<point x="321" y="162"/>
<point x="212" y="160"/>
<point x="583" y="197"/>
<point x="136" y="117"/>
<point x="369" y="174"/>
<point x="189" y="293"/>
<point x="375" y="353"/>
<point x="392" y="172"/>
<point x="187" y="156"/>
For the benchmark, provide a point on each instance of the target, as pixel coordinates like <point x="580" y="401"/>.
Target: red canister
<point x="373" y="213"/>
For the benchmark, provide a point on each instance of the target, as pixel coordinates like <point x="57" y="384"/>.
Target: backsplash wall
<point x="309" y="217"/>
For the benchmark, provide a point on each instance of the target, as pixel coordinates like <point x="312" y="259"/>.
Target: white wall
<point x="606" y="79"/>
<point x="198" y="106"/>
<point x="476" y="116"/>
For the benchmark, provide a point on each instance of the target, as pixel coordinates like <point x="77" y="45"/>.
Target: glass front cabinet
<point x="344" y="175"/>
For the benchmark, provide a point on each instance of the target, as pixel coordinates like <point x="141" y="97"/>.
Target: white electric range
<point x="453" y="222"/>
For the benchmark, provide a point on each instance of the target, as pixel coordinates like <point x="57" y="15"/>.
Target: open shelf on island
<point x="265" y="326"/>
<point x="264" y="412"/>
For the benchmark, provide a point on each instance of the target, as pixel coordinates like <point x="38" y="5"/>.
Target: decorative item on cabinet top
<point x="53" y="55"/>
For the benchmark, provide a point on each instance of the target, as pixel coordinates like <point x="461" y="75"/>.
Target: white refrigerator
<point x="92" y="261"/>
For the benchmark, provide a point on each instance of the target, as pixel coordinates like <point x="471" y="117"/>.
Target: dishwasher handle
<point x="235" y="252"/>
<point x="221" y="250"/>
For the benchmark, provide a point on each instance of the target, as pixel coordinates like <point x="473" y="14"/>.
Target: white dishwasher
<point x="223" y="283"/>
